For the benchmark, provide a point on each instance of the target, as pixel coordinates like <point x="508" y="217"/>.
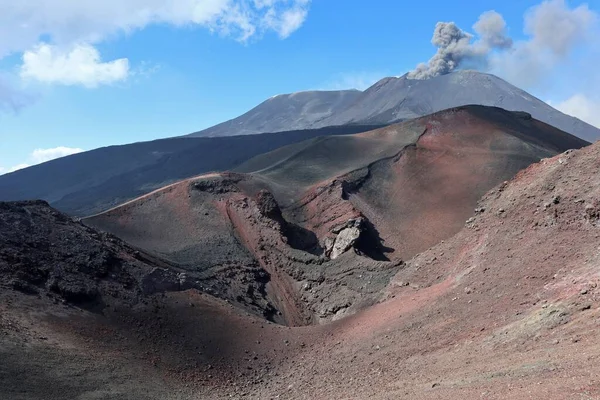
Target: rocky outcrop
<point x="347" y="236"/>
<point x="592" y="212"/>
<point x="44" y="252"/>
<point x="267" y="205"/>
<point x="235" y="241"/>
<point x="220" y="185"/>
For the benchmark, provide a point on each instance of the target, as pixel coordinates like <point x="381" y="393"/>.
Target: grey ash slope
<point x="395" y="99"/>
<point x="286" y="112"/>
<point x="94" y="181"/>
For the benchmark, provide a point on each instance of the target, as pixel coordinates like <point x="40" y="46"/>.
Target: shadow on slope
<point x="417" y="181"/>
<point x="514" y="296"/>
<point x="311" y="212"/>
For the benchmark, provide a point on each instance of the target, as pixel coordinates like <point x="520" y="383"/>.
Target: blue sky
<point x="93" y="74"/>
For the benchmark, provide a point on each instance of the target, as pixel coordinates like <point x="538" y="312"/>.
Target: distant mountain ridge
<point x="285" y="112"/>
<point x="93" y="181"/>
<point x="395" y="99"/>
<point x="96" y="180"/>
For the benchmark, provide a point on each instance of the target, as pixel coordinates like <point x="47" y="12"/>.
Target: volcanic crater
<point x="452" y="256"/>
<point x="323" y="225"/>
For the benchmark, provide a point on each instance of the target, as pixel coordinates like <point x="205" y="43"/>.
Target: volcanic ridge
<point x="337" y="267"/>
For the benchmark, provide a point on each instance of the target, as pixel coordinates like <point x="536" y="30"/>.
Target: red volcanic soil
<point x="406" y="186"/>
<point x="423" y="192"/>
<point x="509" y="308"/>
<point x="316" y="277"/>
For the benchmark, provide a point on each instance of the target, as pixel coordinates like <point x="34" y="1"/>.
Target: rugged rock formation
<point x="513" y="298"/>
<point x="332" y="219"/>
<point x="44" y="252"/>
<point x="346" y="237"/>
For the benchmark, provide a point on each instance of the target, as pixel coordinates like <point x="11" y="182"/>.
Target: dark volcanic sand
<point x="507" y="308"/>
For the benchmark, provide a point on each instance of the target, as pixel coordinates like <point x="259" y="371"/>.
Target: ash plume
<point x="553" y="30"/>
<point x="457" y="47"/>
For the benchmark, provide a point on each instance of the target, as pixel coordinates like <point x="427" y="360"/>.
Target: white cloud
<point x="13" y="169"/>
<point x="65" y="22"/>
<point x="57" y="37"/>
<point x="39" y="156"/>
<point x="43" y="155"/>
<point x="287" y="22"/>
<point x="81" y="65"/>
<point x="582" y="107"/>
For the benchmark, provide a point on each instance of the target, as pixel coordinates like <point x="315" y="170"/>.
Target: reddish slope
<point x="424" y="192"/>
<point x="431" y="189"/>
<point x="410" y="186"/>
<point x="506" y="309"/>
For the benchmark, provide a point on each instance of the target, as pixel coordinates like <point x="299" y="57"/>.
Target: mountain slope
<point x="85" y="315"/>
<point x="422" y="170"/>
<point x="299" y="211"/>
<point x="96" y="180"/>
<point x="286" y="112"/>
<point x="46" y="252"/>
<point x="513" y="299"/>
<point x="394" y="99"/>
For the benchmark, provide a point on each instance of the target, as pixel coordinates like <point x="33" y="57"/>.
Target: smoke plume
<point x="457" y="47"/>
<point x="553" y="31"/>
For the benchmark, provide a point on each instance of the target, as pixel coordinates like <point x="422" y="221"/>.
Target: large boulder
<point x="347" y="236"/>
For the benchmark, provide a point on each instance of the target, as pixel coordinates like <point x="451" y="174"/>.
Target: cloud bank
<point x="39" y="156"/>
<point x="12" y="169"/>
<point x="57" y="37"/>
<point x="582" y="107"/>
<point x="23" y="23"/>
<point x="42" y="155"/>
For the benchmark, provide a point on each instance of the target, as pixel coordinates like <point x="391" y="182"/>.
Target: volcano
<point x="396" y="99"/>
<point x="297" y="212"/>
<point x="96" y="180"/>
<point x="376" y="265"/>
